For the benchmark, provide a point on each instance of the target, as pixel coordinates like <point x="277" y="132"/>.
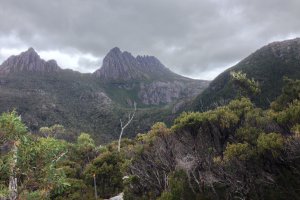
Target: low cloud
<point x="192" y="37"/>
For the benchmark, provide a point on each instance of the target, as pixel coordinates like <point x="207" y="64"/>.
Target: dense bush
<point x="235" y="151"/>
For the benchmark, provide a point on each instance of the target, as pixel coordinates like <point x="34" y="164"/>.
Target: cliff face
<point x="146" y="78"/>
<point x="122" y="66"/>
<point x="28" y="61"/>
<point x="163" y="92"/>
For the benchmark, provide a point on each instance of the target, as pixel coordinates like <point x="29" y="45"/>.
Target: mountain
<point x="28" y="61"/>
<point x="268" y="66"/>
<point x="144" y="79"/>
<point x="44" y="94"/>
<point x="122" y="66"/>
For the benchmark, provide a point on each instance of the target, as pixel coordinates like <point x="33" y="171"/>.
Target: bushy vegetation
<point x="265" y="66"/>
<point x="235" y="151"/>
<point x="76" y="101"/>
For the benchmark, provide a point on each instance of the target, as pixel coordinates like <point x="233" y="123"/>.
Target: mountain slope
<point x="144" y="79"/>
<point x="28" y="61"/>
<point x="267" y="65"/>
<point x="44" y="94"/>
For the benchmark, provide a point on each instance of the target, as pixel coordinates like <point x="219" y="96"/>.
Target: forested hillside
<point x="268" y="66"/>
<point x="235" y="151"/>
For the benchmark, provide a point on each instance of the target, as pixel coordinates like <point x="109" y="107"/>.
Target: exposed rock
<point x="119" y="66"/>
<point x="122" y="66"/>
<point x="156" y="84"/>
<point x="152" y="66"/>
<point x="28" y="61"/>
<point x="160" y="92"/>
<point x="164" y="92"/>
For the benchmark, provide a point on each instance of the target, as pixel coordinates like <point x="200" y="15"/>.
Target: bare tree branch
<point x="130" y="118"/>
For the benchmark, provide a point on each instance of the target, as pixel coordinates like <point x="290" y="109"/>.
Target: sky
<point x="195" y="38"/>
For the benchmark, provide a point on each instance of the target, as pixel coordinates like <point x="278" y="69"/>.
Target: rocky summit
<point x="145" y="80"/>
<point x="122" y="66"/>
<point x="28" y="61"/>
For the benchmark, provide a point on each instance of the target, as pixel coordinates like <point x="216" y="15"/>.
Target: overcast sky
<point x="195" y="38"/>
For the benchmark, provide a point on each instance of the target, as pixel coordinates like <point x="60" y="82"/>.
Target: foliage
<point x="3" y="191"/>
<point x="263" y="66"/>
<point x="270" y="142"/>
<point x="107" y="170"/>
<point x="85" y="142"/>
<point x="79" y="102"/>
<point x="290" y="92"/>
<point x="246" y="87"/>
<point x="291" y="115"/>
<point x="178" y="187"/>
<point x="237" y="151"/>
<point x="55" y="131"/>
<point x="34" y="195"/>
<point x="11" y="127"/>
<point x="296" y="129"/>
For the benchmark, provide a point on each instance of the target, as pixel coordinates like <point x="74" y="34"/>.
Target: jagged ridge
<point x="122" y="66"/>
<point x="28" y="61"/>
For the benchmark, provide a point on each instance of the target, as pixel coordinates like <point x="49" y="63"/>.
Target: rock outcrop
<point x="164" y="92"/>
<point x="28" y="61"/>
<point x="122" y="66"/>
<point x="147" y="78"/>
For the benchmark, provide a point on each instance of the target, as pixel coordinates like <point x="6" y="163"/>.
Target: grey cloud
<point x="88" y="64"/>
<point x="189" y="36"/>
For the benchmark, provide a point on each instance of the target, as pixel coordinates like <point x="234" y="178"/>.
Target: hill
<point x="267" y="65"/>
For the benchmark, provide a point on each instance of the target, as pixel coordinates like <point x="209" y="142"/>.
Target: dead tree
<point x="13" y="187"/>
<point x="130" y="118"/>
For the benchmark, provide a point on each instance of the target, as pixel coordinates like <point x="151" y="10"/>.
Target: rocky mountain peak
<point x="30" y="50"/>
<point x="115" y="50"/>
<point x="152" y="64"/>
<point x="28" y="61"/>
<point x="123" y="66"/>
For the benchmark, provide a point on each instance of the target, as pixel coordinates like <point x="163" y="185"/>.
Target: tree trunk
<point x="13" y="181"/>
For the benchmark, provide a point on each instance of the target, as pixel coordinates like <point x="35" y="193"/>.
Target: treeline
<point x="235" y="151"/>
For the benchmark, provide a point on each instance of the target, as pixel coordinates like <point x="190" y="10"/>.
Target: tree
<point x="246" y="87"/>
<point x="86" y="148"/>
<point x="107" y="170"/>
<point x="38" y="166"/>
<point x="123" y="126"/>
<point x="31" y="162"/>
<point x="153" y="160"/>
<point x="11" y="131"/>
<point x="55" y="131"/>
<point x="85" y="142"/>
<point x="290" y="93"/>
